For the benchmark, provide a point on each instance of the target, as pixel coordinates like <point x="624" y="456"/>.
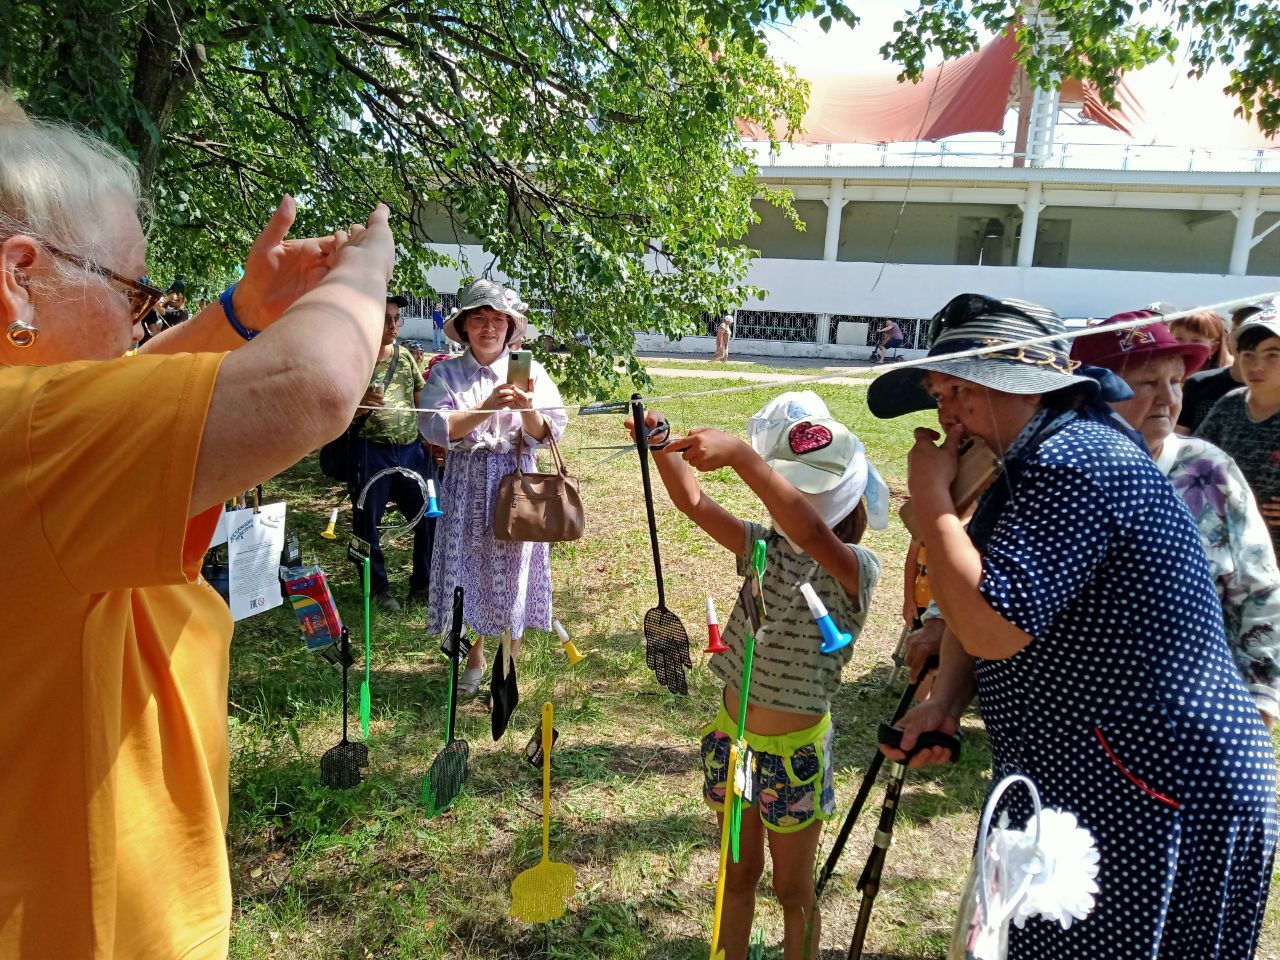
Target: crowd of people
<point x="1113" y="599"/>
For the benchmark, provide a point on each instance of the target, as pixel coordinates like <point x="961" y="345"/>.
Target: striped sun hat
<point x="972" y="321"/>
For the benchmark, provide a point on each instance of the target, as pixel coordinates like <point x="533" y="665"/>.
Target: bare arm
<point x="689" y="498"/>
<point x="295" y="386"/>
<point x="910" y="571"/>
<point x="206" y="332"/>
<point x="711" y="449"/>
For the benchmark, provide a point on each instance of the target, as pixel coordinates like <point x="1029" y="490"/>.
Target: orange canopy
<point x="959" y="96"/>
<point x="1156" y="105"/>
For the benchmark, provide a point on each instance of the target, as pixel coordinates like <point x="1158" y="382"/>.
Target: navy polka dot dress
<point x="1126" y="708"/>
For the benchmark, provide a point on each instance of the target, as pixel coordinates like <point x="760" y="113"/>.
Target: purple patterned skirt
<point x="506" y="584"/>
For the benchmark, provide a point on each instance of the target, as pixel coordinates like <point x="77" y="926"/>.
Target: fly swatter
<point x="538" y="894"/>
<point x="366" y="699"/>
<point x="752" y="598"/>
<point x="340" y="764"/>
<point x="448" y="770"/>
<point x="666" y="644"/>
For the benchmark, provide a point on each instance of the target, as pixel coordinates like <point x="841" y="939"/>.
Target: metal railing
<point x="1001" y="153"/>
<point x="784" y="327"/>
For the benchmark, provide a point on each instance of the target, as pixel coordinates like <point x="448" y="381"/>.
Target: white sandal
<point x="469" y="682"/>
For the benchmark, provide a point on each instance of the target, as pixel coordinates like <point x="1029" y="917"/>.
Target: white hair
<point x="53" y="180"/>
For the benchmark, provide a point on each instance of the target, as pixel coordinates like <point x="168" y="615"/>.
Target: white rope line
<point x="1226" y="306"/>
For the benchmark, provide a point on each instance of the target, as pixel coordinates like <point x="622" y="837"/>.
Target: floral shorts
<point x="792" y="777"/>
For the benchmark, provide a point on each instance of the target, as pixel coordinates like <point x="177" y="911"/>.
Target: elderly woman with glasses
<point x="1080" y="607"/>
<point x="114" y="732"/>
<point x="1154" y="364"/>
<point x="485" y="422"/>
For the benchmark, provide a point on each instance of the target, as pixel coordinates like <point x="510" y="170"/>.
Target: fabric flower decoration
<point x="1063" y="868"/>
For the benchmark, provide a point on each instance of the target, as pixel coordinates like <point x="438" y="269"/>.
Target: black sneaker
<point x="418" y="597"/>
<point x="385" y="601"/>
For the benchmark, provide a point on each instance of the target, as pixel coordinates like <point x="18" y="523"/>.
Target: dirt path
<point x="751" y="377"/>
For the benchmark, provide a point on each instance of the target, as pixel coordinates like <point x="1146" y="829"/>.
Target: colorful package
<point x="314" y="607"/>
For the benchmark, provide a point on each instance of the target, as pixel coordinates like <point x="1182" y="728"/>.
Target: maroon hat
<point x="1118" y="349"/>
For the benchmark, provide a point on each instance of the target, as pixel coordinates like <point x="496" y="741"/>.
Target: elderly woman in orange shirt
<point x="115" y="471"/>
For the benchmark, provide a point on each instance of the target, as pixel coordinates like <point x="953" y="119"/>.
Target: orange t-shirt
<point x="113" y="696"/>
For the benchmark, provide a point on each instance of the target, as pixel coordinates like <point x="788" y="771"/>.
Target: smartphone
<point x="519" y="367"/>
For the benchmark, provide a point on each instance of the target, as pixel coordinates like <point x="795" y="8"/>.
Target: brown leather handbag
<point x="538" y="507"/>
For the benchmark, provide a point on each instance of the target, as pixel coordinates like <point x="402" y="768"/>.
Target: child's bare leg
<point x="793" y="858"/>
<point x="740" y="882"/>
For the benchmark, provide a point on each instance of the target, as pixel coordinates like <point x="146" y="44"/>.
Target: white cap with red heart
<point x="815" y="453"/>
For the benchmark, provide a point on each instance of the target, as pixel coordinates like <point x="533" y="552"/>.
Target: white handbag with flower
<point x="1047" y="870"/>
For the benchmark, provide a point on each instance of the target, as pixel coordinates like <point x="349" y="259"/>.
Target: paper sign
<point x="254" y="543"/>
<point x="219" y="531"/>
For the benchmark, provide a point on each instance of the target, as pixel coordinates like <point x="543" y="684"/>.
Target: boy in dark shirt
<point x="1246" y="423"/>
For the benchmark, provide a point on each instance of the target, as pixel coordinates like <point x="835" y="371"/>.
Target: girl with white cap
<point x="811" y="473"/>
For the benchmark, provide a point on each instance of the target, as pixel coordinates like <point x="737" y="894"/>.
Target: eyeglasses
<point x="143" y="297"/>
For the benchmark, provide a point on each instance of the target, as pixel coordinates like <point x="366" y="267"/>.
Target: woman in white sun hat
<point x="507" y="584"/>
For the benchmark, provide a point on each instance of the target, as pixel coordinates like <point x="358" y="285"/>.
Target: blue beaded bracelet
<point x="232" y="319"/>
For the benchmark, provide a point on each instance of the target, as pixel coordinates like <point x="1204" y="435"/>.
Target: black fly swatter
<point x="448" y="771"/>
<point x="666" y="644"/>
<point x="340" y="764"/>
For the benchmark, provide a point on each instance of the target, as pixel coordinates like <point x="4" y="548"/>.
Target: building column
<point x="835" y="206"/>
<point x="1031" y="207"/>
<point x="1242" y="243"/>
<point x="822" y="330"/>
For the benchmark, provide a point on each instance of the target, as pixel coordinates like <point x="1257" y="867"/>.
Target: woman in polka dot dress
<point x="1080" y="606"/>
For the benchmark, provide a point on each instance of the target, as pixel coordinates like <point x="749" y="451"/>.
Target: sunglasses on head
<point x="143" y="297"/>
<point x="961" y="310"/>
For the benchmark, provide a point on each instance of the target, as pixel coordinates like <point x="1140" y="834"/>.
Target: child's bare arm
<point x="689" y="498"/>
<point x="910" y="571"/>
<point x="710" y="450"/>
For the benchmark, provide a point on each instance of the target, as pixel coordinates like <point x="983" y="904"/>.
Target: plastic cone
<point x="329" y="533"/>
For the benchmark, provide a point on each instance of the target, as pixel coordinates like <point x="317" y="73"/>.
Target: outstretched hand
<point x="278" y="271"/>
<point x="706" y="449"/>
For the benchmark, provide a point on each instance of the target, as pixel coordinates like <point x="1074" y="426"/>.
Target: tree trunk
<point x="164" y="73"/>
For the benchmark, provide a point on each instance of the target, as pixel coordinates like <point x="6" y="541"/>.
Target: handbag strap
<point x="551" y="439"/>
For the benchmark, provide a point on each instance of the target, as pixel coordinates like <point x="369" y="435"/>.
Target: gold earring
<point x="21" y="333"/>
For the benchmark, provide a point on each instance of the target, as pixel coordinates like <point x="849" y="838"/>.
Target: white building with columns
<point x="1086" y="208"/>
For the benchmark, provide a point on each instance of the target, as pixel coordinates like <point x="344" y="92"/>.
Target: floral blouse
<point x="1241" y="559"/>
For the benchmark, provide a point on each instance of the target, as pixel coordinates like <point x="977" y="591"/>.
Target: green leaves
<point x="589" y="148"/>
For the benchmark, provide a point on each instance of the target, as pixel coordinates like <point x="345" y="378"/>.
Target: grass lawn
<point x="362" y="873"/>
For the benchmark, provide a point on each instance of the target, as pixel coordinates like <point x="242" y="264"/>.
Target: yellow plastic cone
<point x="329" y="533"/>
<point x="567" y="645"/>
